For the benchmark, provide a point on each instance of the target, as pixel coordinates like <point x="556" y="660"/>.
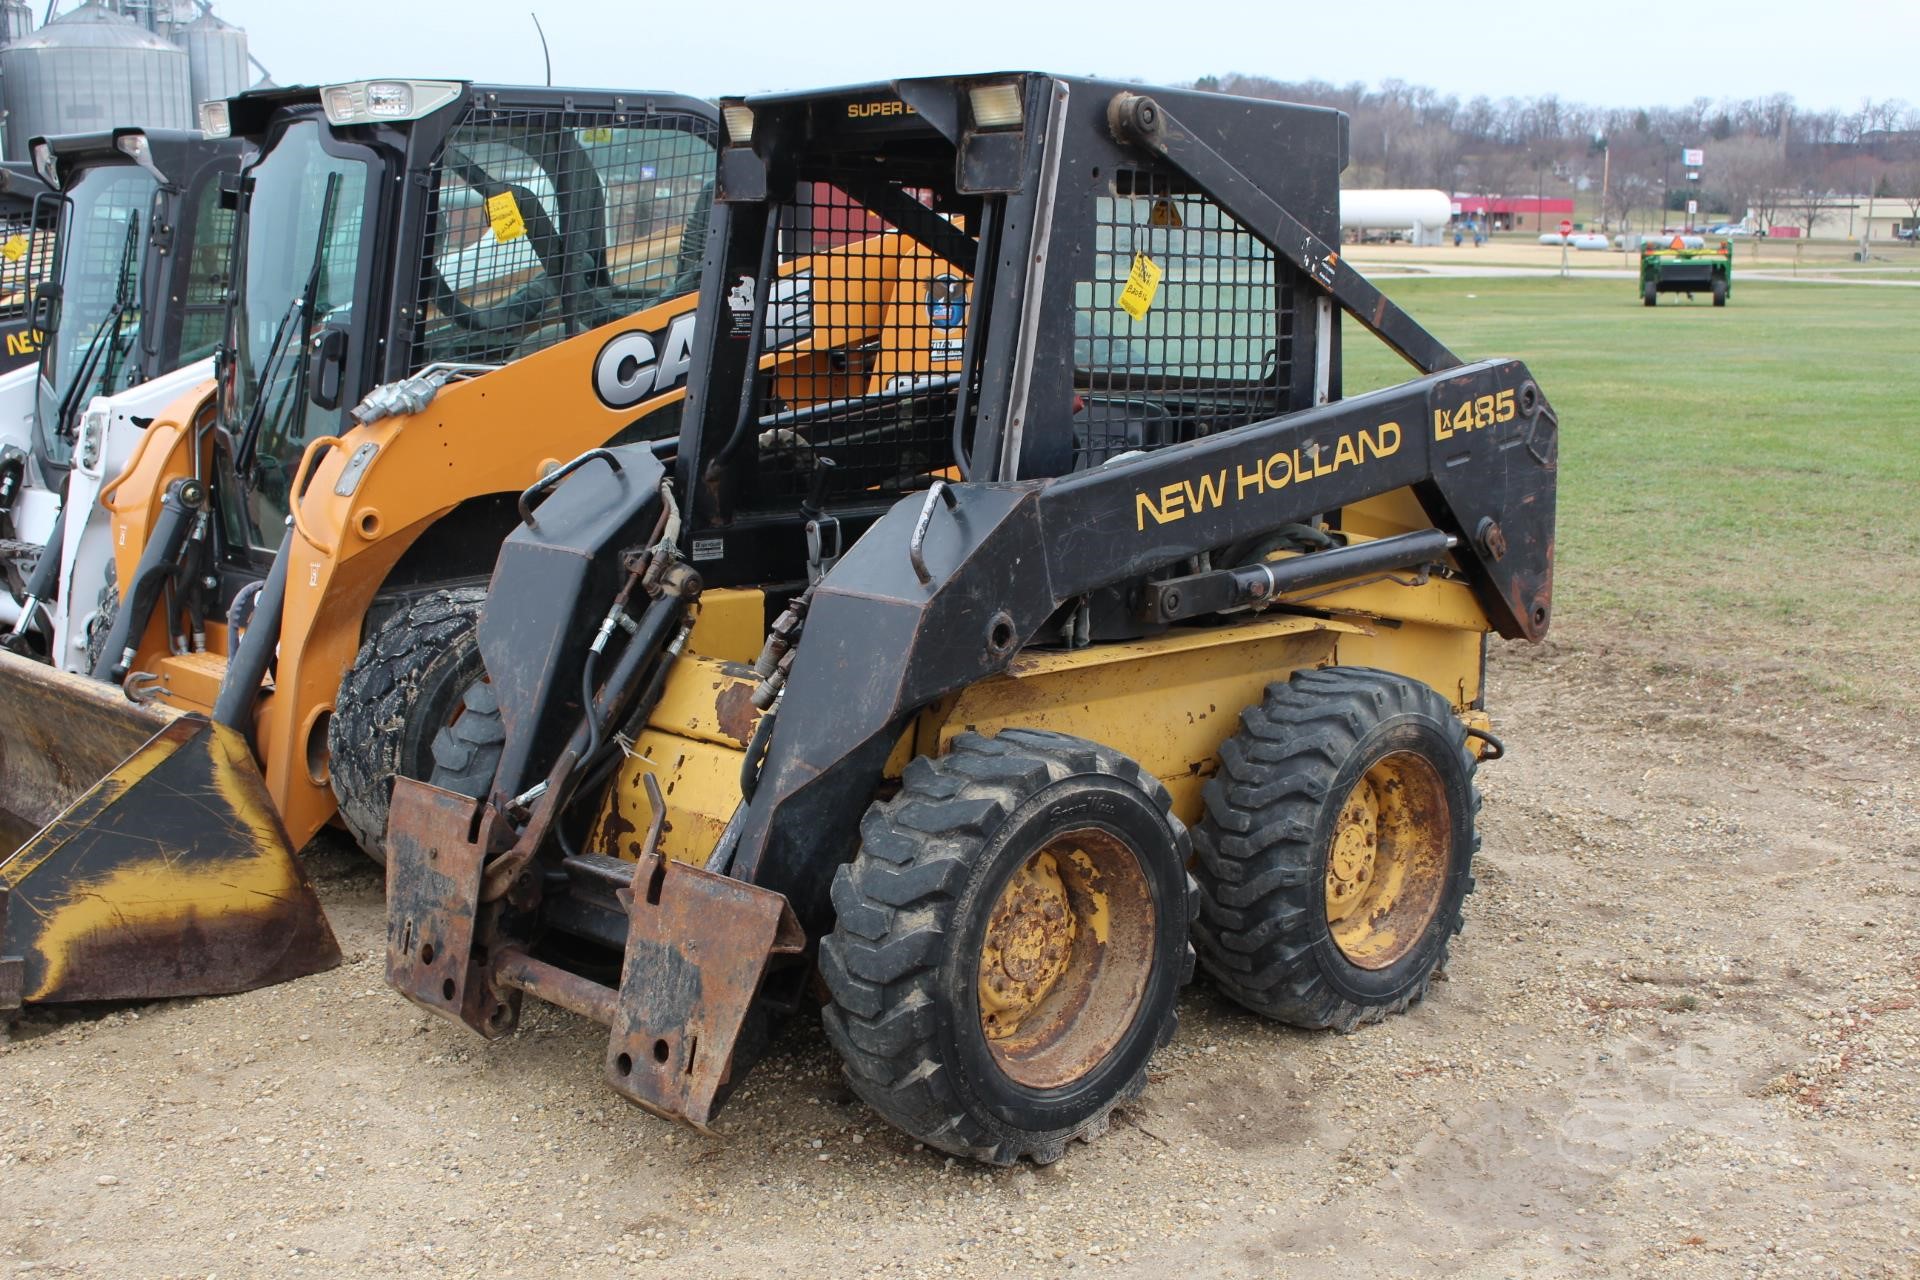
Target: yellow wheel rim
<point x="1065" y="958"/>
<point x="1387" y="867"/>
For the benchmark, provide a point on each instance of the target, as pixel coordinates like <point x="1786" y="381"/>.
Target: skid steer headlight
<point x="93" y="432"/>
<point x="42" y="153"/>
<point x="368" y="101"/>
<point x="215" y="120"/>
<point x="133" y="144"/>
<point x="996" y="106"/>
<point x="739" y="119"/>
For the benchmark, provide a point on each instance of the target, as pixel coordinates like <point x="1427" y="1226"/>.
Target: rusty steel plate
<point x="698" y="945"/>
<point x="437" y="846"/>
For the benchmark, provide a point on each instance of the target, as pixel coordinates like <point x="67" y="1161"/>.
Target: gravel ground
<point x="1678" y="1036"/>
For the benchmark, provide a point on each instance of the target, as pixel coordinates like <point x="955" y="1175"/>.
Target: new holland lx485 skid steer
<point x="993" y="695"/>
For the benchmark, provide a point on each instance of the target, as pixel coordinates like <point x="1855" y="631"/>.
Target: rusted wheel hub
<point x="1356" y="840"/>
<point x="1065" y="958"/>
<point x="1028" y="945"/>
<point x="1387" y="866"/>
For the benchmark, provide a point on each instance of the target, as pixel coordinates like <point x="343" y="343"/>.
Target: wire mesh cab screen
<point x="210" y="254"/>
<point x="545" y="224"/>
<point x="25" y="258"/>
<point x="866" y="328"/>
<point x="1184" y="329"/>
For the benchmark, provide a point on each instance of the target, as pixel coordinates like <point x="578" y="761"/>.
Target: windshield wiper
<point x="248" y="443"/>
<point x="250" y="431"/>
<point x="124" y="302"/>
<point x="65" y="413"/>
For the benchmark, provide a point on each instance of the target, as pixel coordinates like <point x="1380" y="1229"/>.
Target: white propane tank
<point x="1422" y="212"/>
<point x="1579" y="240"/>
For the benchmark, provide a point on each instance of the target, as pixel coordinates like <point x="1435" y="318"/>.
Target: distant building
<point x="1848" y="217"/>
<point x="1514" y="213"/>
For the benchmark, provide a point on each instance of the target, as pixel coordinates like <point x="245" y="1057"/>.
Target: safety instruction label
<point x="503" y="214"/>
<point x="1143" y="282"/>
<point x="13" y="248"/>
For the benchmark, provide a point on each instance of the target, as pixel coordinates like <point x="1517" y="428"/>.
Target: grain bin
<point x="216" y="58"/>
<point x="89" y="70"/>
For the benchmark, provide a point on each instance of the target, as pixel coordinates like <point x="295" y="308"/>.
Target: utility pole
<point x="1666" y="186"/>
<point x="1606" y="165"/>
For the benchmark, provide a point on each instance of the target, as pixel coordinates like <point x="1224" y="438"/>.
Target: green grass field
<point x="1747" y="479"/>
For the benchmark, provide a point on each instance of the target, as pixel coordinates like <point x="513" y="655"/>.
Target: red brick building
<point x="1514" y="213"/>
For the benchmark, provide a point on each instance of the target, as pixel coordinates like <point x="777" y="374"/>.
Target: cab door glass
<point x="299" y="271"/>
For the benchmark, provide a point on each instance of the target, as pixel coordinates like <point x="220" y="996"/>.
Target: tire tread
<point x="1254" y="855"/>
<point x="881" y="961"/>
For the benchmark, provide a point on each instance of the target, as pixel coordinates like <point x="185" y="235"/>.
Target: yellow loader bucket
<point x="159" y="867"/>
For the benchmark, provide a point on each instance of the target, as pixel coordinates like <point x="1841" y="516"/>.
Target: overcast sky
<point x="1826" y="53"/>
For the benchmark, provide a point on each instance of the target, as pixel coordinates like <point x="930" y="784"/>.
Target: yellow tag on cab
<point x="503" y="214"/>
<point x="14" y="249"/>
<point x="1143" y="282"/>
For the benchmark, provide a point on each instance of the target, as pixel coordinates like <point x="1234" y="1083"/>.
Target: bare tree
<point x="1629" y="193"/>
<point x="1750" y="173"/>
<point x="1492" y="172"/>
<point x="1807" y="203"/>
<point x="1635" y="181"/>
<point x="1768" y="157"/>
<point x="1904" y="183"/>
<point x="1432" y="157"/>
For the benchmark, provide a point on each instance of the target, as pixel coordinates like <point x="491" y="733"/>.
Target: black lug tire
<point x="466" y="753"/>
<point x="1262" y="845"/>
<point x="903" y="976"/>
<point x="404" y="686"/>
<point x="1719" y="293"/>
<point x="1649" y="295"/>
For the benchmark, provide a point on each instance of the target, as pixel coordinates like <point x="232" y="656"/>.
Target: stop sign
<point x="1566" y="226"/>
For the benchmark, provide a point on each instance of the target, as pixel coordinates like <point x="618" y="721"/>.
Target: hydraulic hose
<point x="240" y="688"/>
<point x="240" y="615"/>
<point x="159" y="561"/>
<point x="756" y="752"/>
<point x="559" y="789"/>
<point x="41" y="583"/>
<point x="594" y="771"/>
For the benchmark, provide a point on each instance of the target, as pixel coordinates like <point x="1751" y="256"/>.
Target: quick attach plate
<point x="437" y="848"/>
<point x="698" y="946"/>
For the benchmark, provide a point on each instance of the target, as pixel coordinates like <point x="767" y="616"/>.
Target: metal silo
<point x="216" y="58"/>
<point x="92" y="69"/>
<point x="16" y="20"/>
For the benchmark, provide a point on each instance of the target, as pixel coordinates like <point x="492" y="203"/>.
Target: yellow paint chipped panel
<point x="730" y="625"/>
<point x="708" y="700"/>
<point x="701" y="784"/>
<point x="1167" y="702"/>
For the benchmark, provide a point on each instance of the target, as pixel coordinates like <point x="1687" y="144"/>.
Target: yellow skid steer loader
<point x="1145" y="645"/>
